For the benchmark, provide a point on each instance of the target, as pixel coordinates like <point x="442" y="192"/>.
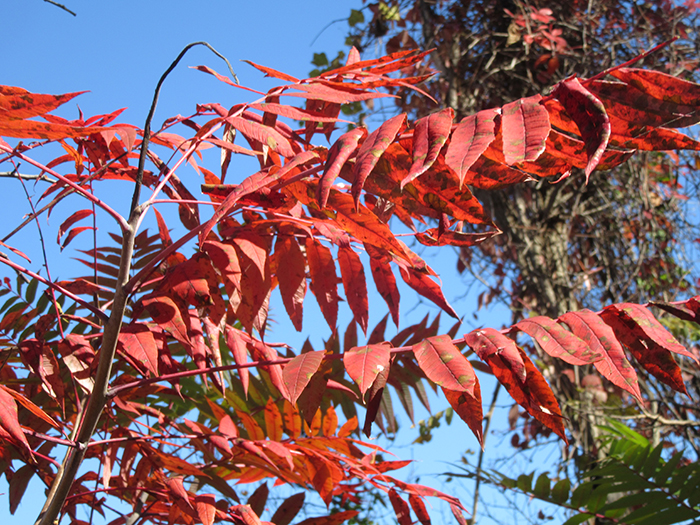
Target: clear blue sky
<point x="118" y="50"/>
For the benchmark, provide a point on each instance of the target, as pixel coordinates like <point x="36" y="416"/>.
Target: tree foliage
<point x="143" y="364"/>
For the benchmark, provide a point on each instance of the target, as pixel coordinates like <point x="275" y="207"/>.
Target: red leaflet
<point x="468" y="407"/>
<point x="445" y="365"/>
<point x="166" y="313"/>
<point x="458" y="514"/>
<point x="558" y="342"/>
<point x="299" y="371"/>
<point x="600" y="338"/>
<point x="429" y="136"/>
<point x="469" y="140"/>
<point x="688" y="310"/>
<point x="30" y="129"/>
<point x="245" y="514"/>
<point x="266" y="135"/>
<point x="330" y="422"/>
<point x="324" y="282"/>
<point x="258" y="499"/>
<point x="255" y="277"/>
<point x="18" y="485"/>
<point x="646" y="327"/>
<point x="384" y="280"/>
<point x="73" y="234"/>
<point x="27" y="105"/>
<point x="433" y="237"/>
<point x="41" y="359"/>
<point x="660" y="85"/>
<point x="419" y="508"/>
<point x="589" y="114"/>
<point x="9" y="424"/>
<point x="338" y="155"/>
<point x="163" y="232"/>
<point x="177" y="488"/>
<point x="525" y="126"/>
<point x="650" y="343"/>
<point x="269" y="72"/>
<point x="374" y="398"/>
<point x="518" y="375"/>
<point x="372" y="149"/>
<point x="353" y="275"/>
<point x="236" y="342"/>
<point x="293" y="112"/>
<point x="401" y="508"/>
<point x="426" y="287"/>
<point x="291" y="275"/>
<point x="364" y="363"/>
<point x="138" y="342"/>
<point x="81" y="287"/>
<point x="344" y="95"/>
<point x="289" y="508"/>
<point x="70" y="221"/>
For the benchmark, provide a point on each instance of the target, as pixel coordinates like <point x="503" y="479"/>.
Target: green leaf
<point x="320" y="60"/>
<point x="542" y="486"/>
<point x="525" y="482"/>
<point x="581" y="494"/>
<point x="31" y="291"/>
<point x="578" y="518"/>
<point x="665" y="472"/>
<point x="653" y="462"/>
<point x="356" y="17"/>
<point x="560" y="491"/>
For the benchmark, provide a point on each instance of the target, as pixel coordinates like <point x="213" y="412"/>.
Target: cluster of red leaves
<point x="286" y="226"/>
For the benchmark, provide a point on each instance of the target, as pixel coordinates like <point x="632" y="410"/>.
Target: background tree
<point x="90" y="374"/>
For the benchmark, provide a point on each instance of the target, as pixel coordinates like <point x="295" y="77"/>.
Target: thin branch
<point x="488" y="418"/>
<point x="60" y="6"/>
<point x="151" y="112"/>
<point x="23" y="176"/>
<point x="46" y="259"/>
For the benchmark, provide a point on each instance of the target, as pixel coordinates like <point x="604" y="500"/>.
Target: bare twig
<point x="151" y="112"/>
<point x="23" y="176"/>
<point x="61" y="6"/>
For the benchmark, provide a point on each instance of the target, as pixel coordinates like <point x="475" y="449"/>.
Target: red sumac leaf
<point x="338" y="155"/>
<point x="429" y="136"/>
<point x="557" y="341"/>
<point x="18" y="485"/>
<point x="525" y="127"/>
<point x="419" y="508"/>
<point x="444" y="364"/>
<point x="258" y="499"/>
<point x="384" y="280"/>
<point x="660" y="85"/>
<point x="70" y="221"/>
<point x="519" y="376"/>
<point x="299" y="371"/>
<point x="289" y="508"/>
<point x="372" y="149"/>
<point x="245" y="514"/>
<point x="273" y="421"/>
<point x="425" y="286"/>
<point x="291" y="275"/>
<point x="401" y="508"/>
<point x="9" y="424"/>
<point x="469" y="140"/>
<point x="73" y="234"/>
<point x="324" y="281"/>
<point x="600" y="338"/>
<point x="354" y="284"/>
<point x="589" y="114"/>
<point x="468" y="407"/>
<point x="650" y="343"/>
<point x="364" y="363"/>
<point x="266" y="135"/>
<point x="138" y="341"/>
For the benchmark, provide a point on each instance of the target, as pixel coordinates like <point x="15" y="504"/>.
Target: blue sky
<point x="118" y="50"/>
